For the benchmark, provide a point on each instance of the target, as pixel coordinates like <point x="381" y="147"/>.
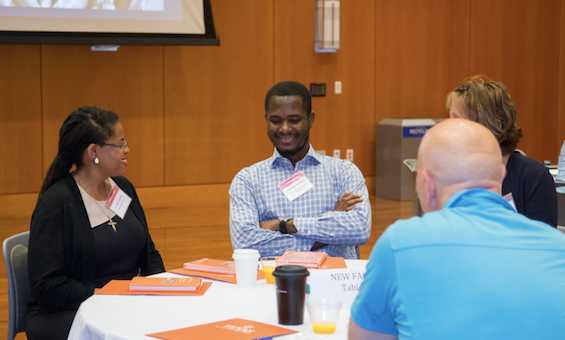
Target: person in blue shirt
<point x="298" y="199"/>
<point x="471" y="267"/>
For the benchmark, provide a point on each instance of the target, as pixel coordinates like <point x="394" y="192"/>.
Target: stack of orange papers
<point x="230" y="278"/>
<point x="311" y="259"/>
<point x="121" y="287"/>
<point x="234" y="329"/>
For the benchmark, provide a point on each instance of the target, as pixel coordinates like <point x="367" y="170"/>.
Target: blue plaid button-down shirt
<point x="255" y="197"/>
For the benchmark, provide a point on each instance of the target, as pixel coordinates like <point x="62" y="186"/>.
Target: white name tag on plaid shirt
<point x="295" y="186"/>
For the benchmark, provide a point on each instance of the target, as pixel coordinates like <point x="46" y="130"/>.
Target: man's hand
<point x="348" y="201"/>
<point x="273" y="225"/>
<point x="317" y="245"/>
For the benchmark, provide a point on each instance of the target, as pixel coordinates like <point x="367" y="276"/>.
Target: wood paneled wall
<point x="517" y="42"/>
<point x="194" y="114"/>
<point x="20" y="119"/>
<point x="214" y="96"/>
<point x="422" y="53"/>
<point x="129" y="82"/>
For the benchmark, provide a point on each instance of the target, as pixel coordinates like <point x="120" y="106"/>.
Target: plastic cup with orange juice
<point x="324" y="315"/>
<point x="269" y="264"/>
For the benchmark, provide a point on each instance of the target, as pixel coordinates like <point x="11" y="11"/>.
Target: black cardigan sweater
<point x="532" y="188"/>
<point x="61" y="257"/>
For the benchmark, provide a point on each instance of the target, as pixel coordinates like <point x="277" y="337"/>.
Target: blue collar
<point x="277" y="158"/>
<point x="475" y="197"/>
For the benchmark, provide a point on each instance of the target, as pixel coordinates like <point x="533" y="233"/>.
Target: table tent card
<point x="336" y="284"/>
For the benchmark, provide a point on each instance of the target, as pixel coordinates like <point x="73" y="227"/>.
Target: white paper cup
<point x="246" y="265"/>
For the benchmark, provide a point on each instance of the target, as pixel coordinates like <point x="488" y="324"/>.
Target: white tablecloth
<point x="128" y="317"/>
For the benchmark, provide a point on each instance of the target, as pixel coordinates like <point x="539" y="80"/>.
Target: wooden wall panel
<point x="188" y="244"/>
<point x="214" y="97"/>
<point x="20" y="119"/>
<point x="422" y="52"/>
<point x="517" y="42"/>
<point x="192" y="221"/>
<point x="128" y="82"/>
<point x="343" y="121"/>
<point x="15" y="214"/>
<point x="200" y="205"/>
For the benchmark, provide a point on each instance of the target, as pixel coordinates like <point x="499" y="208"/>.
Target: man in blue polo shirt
<point x="471" y="267"/>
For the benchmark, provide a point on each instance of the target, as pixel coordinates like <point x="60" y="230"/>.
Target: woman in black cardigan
<point x="77" y="243"/>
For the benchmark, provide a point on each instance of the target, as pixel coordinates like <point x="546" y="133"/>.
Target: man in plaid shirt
<point x="298" y="199"/>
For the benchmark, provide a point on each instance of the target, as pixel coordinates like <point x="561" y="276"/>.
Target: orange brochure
<point x="212" y="276"/>
<point x="234" y="329"/>
<point x="121" y="287"/>
<point x="211" y="265"/>
<point x="186" y="284"/>
<point x="309" y="259"/>
<point x="332" y="263"/>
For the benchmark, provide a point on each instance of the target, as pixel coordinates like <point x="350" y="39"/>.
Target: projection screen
<point x="135" y="22"/>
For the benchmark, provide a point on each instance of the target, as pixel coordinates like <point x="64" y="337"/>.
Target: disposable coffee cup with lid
<point x="290" y="284"/>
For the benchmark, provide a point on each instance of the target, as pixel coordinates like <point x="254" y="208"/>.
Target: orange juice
<point x="324" y="327"/>
<point x="268" y="271"/>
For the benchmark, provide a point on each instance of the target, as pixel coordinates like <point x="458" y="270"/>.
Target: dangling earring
<point x="96" y="160"/>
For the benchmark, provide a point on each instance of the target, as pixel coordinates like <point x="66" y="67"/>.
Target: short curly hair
<point x="290" y="88"/>
<point x="488" y="103"/>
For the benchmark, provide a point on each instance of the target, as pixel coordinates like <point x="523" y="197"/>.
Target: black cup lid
<point x="291" y="271"/>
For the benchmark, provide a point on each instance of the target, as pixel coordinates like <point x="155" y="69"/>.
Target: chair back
<point x="15" y="257"/>
<point x="560" y="203"/>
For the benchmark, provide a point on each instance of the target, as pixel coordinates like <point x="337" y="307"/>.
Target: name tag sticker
<point x="118" y="202"/>
<point x="295" y="186"/>
<point x="508" y="197"/>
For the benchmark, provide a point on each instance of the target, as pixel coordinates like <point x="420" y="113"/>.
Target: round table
<point x="129" y="317"/>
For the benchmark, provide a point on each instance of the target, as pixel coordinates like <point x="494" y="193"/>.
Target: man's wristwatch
<point x="282" y="224"/>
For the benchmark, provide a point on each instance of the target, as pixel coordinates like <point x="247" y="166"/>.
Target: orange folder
<point x="234" y="329"/>
<point x="183" y="284"/>
<point x="332" y="263"/>
<point x="121" y="287"/>
<point x="212" y="276"/>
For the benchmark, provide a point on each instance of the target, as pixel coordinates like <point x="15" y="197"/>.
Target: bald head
<point x="456" y="155"/>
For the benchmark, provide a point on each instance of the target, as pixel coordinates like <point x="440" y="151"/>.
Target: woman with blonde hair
<point x="529" y="182"/>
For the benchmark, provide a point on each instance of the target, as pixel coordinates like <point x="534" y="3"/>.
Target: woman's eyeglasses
<point x="123" y="145"/>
